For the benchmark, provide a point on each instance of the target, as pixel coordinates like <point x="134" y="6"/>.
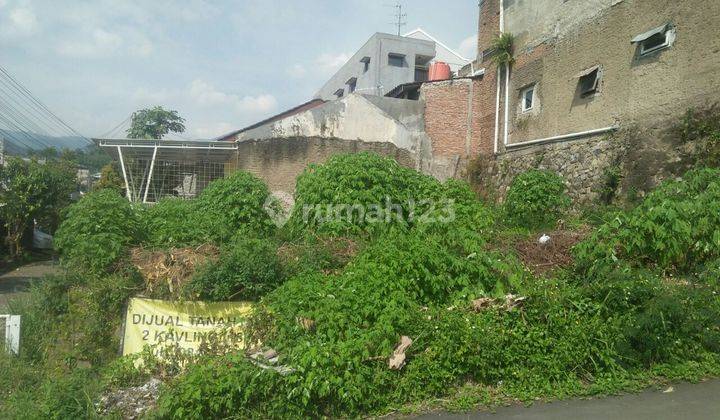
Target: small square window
<point x="339" y="93"/>
<point x="527" y="96"/>
<point x="396" y="60"/>
<point x="589" y="81"/>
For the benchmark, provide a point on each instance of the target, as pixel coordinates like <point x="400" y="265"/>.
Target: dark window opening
<point x="396" y="60"/>
<point x="352" y="84"/>
<point x="653" y="43"/>
<point x="656" y="39"/>
<point x="589" y="83"/>
<point x="422" y="64"/>
<point x="366" y="64"/>
<point x="339" y="93"/>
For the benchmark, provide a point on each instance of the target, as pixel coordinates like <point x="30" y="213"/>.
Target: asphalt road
<point x="687" y="401"/>
<point x="18" y="281"/>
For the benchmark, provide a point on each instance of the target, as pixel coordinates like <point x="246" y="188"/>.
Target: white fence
<point x="10" y="332"/>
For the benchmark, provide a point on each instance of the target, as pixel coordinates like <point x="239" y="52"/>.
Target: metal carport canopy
<point x="175" y="150"/>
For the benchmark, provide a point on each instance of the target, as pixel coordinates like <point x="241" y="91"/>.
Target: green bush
<point x="96" y="231"/>
<point x="396" y="286"/>
<point x="246" y="270"/>
<point x="340" y="365"/>
<point x="661" y="321"/>
<point x="174" y="222"/>
<point x="234" y="204"/>
<point x="34" y="394"/>
<point x="369" y="193"/>
<point x="536" y="199"/>
<point x="675" y="228"/>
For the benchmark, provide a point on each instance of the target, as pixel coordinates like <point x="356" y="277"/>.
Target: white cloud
<point x="260" y="104"/>
<point x="468" y="47"/>
<point x="148" y="97"/>
<point x="329" y="63"/>
<point x="102" y="43"/>
<point x="296" y="71"/>
<point x="212" y="130"/>
<point x="18" y="22"/>
<point x="206" y="94"/>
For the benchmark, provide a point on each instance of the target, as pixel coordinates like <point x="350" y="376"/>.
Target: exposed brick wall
<point x="446" y="116"/>
<point x="460" y="116"/>
<point x="489" y="23"/>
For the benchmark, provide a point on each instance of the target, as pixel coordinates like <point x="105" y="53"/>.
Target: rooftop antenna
<point x="400" y="16"/>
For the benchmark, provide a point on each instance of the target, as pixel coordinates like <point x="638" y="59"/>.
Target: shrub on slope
<point x="369" y="193"/>
<point x="96" y="231"/>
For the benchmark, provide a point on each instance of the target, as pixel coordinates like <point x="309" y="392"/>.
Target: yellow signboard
<point x="187" y="325"/>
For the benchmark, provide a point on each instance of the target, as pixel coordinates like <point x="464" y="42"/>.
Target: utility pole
<point x="400" y="16"/>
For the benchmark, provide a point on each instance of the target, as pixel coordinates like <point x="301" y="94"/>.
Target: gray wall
<point x="380" y="77"/>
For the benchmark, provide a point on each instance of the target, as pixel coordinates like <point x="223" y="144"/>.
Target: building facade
<point x="384" y="62"/>
<point x="596" y="85"/>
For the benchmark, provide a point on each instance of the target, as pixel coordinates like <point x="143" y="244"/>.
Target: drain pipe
<point x="507" y="100"/>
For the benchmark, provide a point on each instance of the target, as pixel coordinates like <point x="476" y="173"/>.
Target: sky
<point x="221" y="64"/>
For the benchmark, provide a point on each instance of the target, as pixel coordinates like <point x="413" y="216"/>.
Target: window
<point x="655" y="39"/>
<point x="589" y="80"/>
<point x="527" y="96"/>
<point x="339" y="93"/>
<point x="366" y="64"/>
<point x="396" y="60"/>
<point x="351" y="83"/>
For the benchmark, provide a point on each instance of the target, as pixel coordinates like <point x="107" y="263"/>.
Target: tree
<point x="110" y="178"/>
<point x="154" y="123"/>
<point x="31" y="190"/>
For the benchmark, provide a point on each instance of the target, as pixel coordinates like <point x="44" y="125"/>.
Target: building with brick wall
<point x="595" y="85"/>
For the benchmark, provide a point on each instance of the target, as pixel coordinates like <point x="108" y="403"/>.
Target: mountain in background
<point x="17" y="144"/>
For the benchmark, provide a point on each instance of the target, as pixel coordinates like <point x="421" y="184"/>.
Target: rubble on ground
<point x="130" y="403"/>
<point x="397" y="360"/>
<point x="507" y="303"/>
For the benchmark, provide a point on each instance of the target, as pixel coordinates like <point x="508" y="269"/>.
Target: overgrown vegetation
<point x="703" y="125"/>
<point x="97" y="231"/>
<point x="536" y="199"/>
<point x="335" y="291"/>
<point x="32" y="191"/>
<point x="502" y="47"/>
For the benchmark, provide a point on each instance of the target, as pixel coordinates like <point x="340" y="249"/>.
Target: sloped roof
<point x="435" y="40"/>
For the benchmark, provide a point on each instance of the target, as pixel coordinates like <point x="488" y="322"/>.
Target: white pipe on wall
<point x="507" y="101"/>
<point x="565" y="136"/>
<point x="497" y="111"/>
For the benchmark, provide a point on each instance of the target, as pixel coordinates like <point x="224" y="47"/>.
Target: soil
<point x="556" y="253"/>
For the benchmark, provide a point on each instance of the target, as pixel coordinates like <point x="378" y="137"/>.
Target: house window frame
<point x="366" y="64"/>
<point x="401" y="57"/>
<point x="523" y="93"/>
<point x="668" y="30"/>
<point x="666" y="44"/>
<point x="339" y="93"/>
<point x="351" y="84"/>
<point x="595" y="86"/>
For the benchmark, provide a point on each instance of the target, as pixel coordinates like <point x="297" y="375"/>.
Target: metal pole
<point x="122" y="165"/>
<point x="152" y="166"/>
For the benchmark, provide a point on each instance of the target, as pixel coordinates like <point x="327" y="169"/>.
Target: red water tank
<point x="439" y="71"/>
